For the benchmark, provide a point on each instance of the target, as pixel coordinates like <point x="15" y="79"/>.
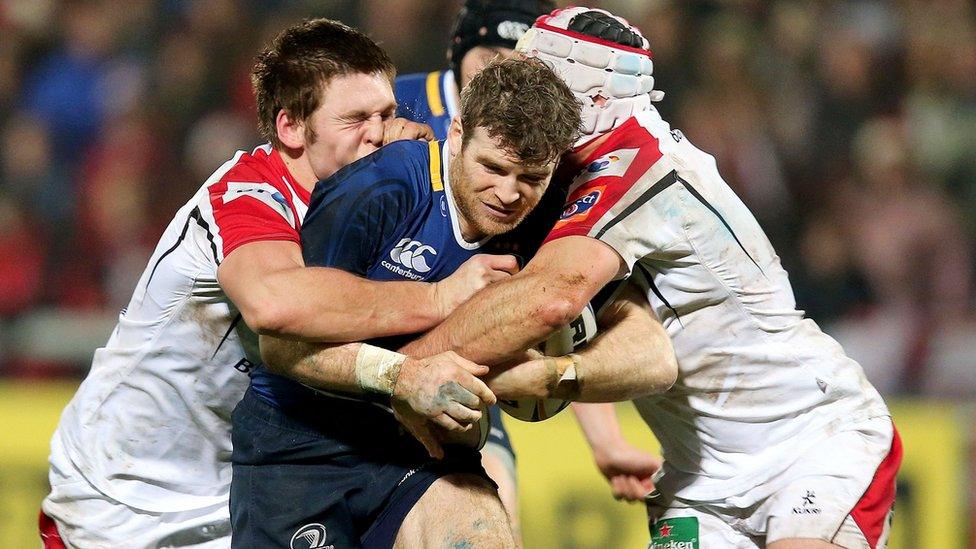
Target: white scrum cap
<point x="603" y="59"/>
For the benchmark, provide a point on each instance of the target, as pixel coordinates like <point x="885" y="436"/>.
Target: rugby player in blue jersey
<point x="337" y="466"/>
<point x="483" y="30"/>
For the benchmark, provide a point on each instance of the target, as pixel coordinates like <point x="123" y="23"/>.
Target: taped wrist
<point x="563" y="376"/>
<point x="377" y="369"/>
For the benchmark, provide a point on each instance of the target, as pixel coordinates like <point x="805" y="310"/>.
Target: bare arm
<point x="626" y="468"/>
<point x="443" y="388"/>
<point x="501" y="321"/>
<point x="632" y="356"/>
<point x="278" y="295"/>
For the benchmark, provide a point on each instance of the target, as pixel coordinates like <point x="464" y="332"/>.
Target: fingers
<point x="401" y="128"/>
<point x="447" y="422"/>
<point x="480" y="389"/>
<point x="417" y="426"/>
<point x="473" y="368"/>
<point x="453" y="392"/>
<point x="628" y="488"/>
<point x="506" y="263"/>
<point x="463" y="414"/>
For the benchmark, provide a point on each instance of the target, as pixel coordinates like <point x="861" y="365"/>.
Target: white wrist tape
<point x="377" y="369"/>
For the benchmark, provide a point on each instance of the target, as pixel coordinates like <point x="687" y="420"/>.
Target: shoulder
<point x="399" y="171"/>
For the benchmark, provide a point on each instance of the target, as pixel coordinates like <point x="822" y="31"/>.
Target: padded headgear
<point x="492" y="23"/>
<point x="603" y="59"/>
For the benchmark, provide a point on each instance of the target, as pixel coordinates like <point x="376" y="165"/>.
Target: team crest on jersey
<point x="581" y="207"/>
<point x="602" y="164"/>
<point x="608" y="165"/>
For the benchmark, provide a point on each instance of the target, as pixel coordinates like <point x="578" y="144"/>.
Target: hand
<point x="627" y="469"/>
<point x="398" y="129"/>
<point x="442" y="391"/>
<point x="476" y="273"/>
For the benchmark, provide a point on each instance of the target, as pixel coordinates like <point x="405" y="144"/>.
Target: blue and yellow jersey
<point x="388" y="216"/>
<point x="428" y="97"/>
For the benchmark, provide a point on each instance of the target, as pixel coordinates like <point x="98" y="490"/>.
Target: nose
<point x="507" y="191"/>
<point x="373" y="132"/>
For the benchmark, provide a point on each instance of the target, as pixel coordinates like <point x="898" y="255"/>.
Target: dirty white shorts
<point x="842" y="491"/>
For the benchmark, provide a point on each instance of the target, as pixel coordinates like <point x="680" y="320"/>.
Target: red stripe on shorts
<point x="50" y="537"/>
<point x="872" y="509"/>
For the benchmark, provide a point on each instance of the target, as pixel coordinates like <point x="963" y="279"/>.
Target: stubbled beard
<point x="470" y="207"/>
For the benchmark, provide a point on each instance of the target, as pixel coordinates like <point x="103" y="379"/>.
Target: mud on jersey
<point x="757" y="382"/>
<point x="150" y="425"/>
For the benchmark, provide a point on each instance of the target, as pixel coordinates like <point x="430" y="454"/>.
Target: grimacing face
<point x="493" y="190"/>
<point x="348" y="124"/>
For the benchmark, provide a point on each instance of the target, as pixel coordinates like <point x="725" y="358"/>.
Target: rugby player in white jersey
<point x="141" y="457"/>
<point x="771" y="436"/>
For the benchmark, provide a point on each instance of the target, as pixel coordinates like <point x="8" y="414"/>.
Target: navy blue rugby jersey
<point x="428" y="97"/>
<point x="388" y="216"/>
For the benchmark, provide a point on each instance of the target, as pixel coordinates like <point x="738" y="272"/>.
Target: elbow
<point x="667" y="372"/>
<point x="556" y="313"/>
<point x="266" y="319"/>
<point x="562" y="308"/>
<point x="663" y="372"/>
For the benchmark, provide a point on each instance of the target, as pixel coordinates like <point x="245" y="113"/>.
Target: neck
<point x="298" y="167"/>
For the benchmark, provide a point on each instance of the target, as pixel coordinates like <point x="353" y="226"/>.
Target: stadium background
<point x="849" y="128"/>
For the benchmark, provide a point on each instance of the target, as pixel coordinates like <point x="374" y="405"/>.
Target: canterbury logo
<point x="410" y="254"/>
<point x="310" y="536"/>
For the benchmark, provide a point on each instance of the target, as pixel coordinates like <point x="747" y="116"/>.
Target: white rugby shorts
<point x="841" y="491"/>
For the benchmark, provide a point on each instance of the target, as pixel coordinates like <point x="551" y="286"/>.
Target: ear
<point x="455" y="135"/>
<point x="291" y="133"/>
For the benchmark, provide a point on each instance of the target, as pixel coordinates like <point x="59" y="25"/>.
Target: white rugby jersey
<point x="757" y="382"/>
<point x="150" y="425"/>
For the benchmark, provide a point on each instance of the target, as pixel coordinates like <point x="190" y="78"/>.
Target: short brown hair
<point x="526" y="105"/>
<point x="293" y="70"/>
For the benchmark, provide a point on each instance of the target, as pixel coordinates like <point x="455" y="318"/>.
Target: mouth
<point x="498" y="212"/>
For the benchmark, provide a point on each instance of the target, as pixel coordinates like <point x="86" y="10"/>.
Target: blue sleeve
<point x="354" y="213"/>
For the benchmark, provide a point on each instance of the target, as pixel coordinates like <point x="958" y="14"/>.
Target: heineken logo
<point x="675" y="533"/>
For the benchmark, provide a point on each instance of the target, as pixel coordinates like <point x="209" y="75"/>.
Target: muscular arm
<point x="632" y="356"/>
<point x="504" y="319"/>
<point x="277" y="295"/>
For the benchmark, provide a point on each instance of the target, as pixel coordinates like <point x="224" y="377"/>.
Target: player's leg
<point x="498" y="459"/>
<point x="836" y="508"/>
<point x="477" y="517"/>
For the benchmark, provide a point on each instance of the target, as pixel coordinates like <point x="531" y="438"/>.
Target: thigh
<point x="848" y="503"/>
<point x="457" y="511"/>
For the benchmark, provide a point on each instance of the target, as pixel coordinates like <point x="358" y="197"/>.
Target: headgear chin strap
<point x="613" y="81"/>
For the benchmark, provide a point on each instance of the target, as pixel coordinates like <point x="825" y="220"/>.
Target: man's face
<point x="493" y="190"/>
<point x="348" y="124"/>
<point x="479" y="56"/>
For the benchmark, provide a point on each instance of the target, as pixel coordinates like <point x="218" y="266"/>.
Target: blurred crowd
<point x="848" y="127"/>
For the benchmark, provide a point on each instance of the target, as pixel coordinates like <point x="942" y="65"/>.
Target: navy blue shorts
<point x="342" y="473"/>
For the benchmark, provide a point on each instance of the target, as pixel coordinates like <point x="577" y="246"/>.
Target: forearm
<point x="331" y="367"/>
<point x="507" y="317"/>
<point x="330" y="305"/>
<point x="599" y="424"/>
<point x="498" y="323"/>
